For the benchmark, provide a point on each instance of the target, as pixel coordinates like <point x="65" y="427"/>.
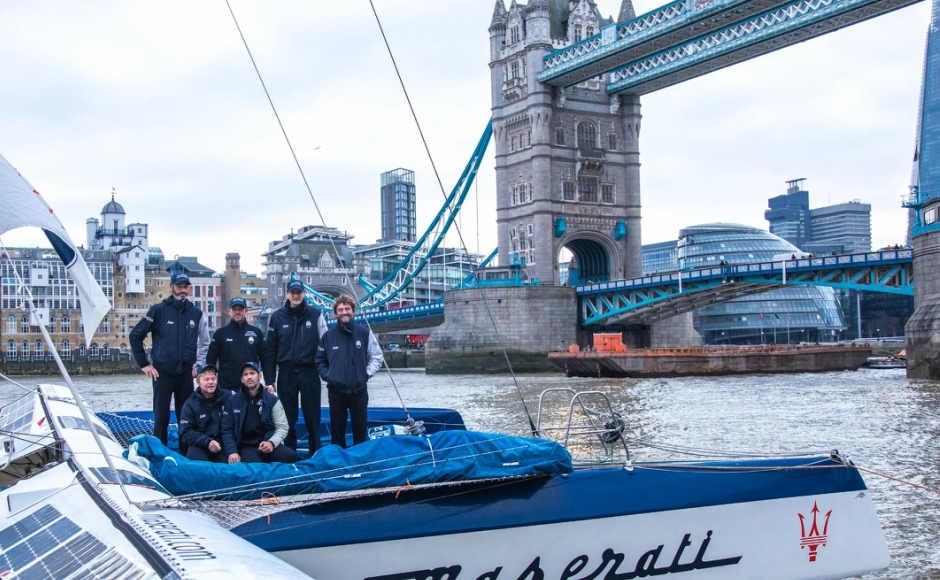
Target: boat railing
<point x="588" y="426"/>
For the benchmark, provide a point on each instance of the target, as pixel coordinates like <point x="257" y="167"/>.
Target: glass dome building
<point x="787" y="315"/>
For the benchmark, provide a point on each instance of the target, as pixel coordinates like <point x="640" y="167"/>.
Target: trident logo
<point x="812" y="538"/>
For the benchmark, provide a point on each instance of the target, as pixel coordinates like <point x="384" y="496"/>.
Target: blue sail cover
<point x="383" y="462"/>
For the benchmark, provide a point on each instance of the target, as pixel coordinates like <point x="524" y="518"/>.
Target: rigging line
<point x="276" y="115"/>
<point x="459" y="233"/>
<point x="309" y="190"/>
<point x="899" y="480"/>
<point x="24" y="387"/>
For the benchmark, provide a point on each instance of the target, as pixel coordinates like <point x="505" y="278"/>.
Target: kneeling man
<point x="201" y="419"/>
<point x="254" y="424"/>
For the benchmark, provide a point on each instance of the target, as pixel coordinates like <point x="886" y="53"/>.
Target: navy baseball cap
<point x="295" y="285"/>
<point x="206" y="367"/>
<point x="251" y="364"/>
<point x="237" y="302"/>
<point x="179" y="279"/>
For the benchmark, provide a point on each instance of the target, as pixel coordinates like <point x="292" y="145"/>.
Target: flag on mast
<point x="24" y="207"/>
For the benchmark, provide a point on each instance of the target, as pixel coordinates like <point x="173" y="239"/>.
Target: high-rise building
<point x="925" y="175"/>
<point x="844" y="228"/>
<point x="398" y="205"/>
<point x="789" y="214"/>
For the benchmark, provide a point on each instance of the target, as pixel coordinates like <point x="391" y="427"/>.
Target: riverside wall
<point x="922" y="332"/>
<point x="48" y="368"/>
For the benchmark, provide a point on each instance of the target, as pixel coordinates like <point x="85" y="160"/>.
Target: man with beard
<point x="236" y="343"/>
<point x="201" y="421"/>
<point x="293" y="336"/>
<point x="254" y="424"/>
<point x="180" y="341"/>
<point x="347" y="358"/>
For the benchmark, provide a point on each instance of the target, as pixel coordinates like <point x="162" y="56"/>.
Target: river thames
<point x="877" y="418"/>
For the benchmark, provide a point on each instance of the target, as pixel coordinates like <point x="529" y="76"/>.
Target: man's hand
<point x="266" y="447"/>
<point x="151" y="372"/>
<point x="195" y="367"/>
<point x="214" y="446"/>
<point x="271" y="389"/>
<point x="234" y="458"/>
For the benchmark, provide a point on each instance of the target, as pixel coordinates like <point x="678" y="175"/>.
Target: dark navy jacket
<point x="201" y="420"/>
<point x="176" y="326"/>
<point x="343" y="358"/>
<point x="233" y="418"/>
<point x="232" y="346"/>
<point x="292" y="339"/>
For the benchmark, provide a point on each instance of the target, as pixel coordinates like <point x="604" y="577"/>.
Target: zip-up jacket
<point x="347" y="358"/>
<point x="293" y="337"/>
<point x="180" y="337"/>
<point x="201" y="419"/>
<point x="233" y="419"/>
<point x="232" y="346"/>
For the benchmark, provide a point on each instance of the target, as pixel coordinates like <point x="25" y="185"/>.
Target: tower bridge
<point x="565" y="87"/>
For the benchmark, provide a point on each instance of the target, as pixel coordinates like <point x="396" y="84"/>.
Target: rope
<point x="897" y="479"/>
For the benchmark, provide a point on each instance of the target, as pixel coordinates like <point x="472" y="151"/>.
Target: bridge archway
<point x="591" y="258"/>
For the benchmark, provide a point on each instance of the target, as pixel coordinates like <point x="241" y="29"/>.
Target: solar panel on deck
<point x="45" y="544"/>
<point x="27" y="526"/>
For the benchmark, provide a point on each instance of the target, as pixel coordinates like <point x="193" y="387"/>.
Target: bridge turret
<point x="627" y="13"/>
<point x="498" y="30"/>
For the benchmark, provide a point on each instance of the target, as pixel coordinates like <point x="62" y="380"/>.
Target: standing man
<point x="293" y="337"/>
<point x="180" y="341"/>
<point x="254" y="424"/>
<point x="347" y="358"/>
<point x="235" y="344"/>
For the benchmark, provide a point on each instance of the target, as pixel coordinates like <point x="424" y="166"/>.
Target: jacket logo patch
<point x="192" y="324"/>
<point x="251" y="340"/>
<point x="228" y="340"/>
<point x="335" y="348"/>
<point x="285" y="326"/>
<point x="203" y="416"/>
<point x="358" y="344"/>
<point x="308" y="324"/>
<point x="169" y="322"/>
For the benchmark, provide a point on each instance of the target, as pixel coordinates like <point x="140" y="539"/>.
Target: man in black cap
<point x="201" y="420"/>
<point x="180" y="341"/>
<point x="254" y="424"/>
<point x="234" y="344"/>
<point x="294" y="333"/>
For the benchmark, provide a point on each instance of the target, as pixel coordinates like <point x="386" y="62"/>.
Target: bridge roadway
<point x="653" y="298"/>
<point x="688" y="38"/>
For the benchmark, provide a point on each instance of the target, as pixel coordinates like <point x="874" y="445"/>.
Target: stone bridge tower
<point x="567" y="159"/>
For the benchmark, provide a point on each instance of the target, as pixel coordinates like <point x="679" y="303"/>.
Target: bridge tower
<point x="567" y="159"/>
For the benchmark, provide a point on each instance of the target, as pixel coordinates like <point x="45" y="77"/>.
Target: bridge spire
<point x="627" y="12"/>
<point x="499" y="15"/>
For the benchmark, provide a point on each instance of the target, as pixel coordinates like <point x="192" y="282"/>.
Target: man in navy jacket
<point x="180" y="336"/>
<point x="201" y="421"/>
<point x="235" y="344"/>
<point x="347" y="358"/>
<point x="294" y="333"/>
<point x="254" y="424"/>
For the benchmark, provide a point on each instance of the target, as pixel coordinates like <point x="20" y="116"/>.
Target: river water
<point x="877" y="418"/>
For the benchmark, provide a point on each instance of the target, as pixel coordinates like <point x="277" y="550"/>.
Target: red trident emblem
<point x="812" y="539"/>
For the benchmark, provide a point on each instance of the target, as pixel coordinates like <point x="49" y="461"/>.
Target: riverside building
<point x="788" y="315"/>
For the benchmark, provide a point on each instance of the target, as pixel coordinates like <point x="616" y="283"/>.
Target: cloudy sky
<point x="158" y="100"/>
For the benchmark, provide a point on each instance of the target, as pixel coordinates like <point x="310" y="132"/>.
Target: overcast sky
<point x="158" y="99"/>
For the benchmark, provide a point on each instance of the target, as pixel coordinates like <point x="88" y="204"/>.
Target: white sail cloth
<point x="22" y="206"/>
